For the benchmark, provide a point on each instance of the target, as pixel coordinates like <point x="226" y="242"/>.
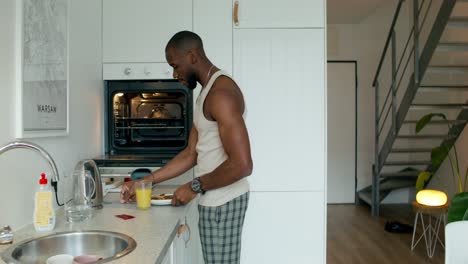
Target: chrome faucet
<point x="38" y="149"/>
<point x="5" y="235"/>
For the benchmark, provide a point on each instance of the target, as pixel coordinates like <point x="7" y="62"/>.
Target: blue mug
<point x="140" y="173"/>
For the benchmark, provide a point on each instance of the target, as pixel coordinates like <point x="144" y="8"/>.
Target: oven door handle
<point x="115" y="175"/>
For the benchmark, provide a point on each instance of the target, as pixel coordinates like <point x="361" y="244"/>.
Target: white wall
<point x="20" y="169"/>
<point x="7" y="59"/>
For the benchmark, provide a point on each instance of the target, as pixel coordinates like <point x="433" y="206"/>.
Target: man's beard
<point x="191" y="81"/>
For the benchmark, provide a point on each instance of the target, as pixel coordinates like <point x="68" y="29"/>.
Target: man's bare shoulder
<point x="224" y="83"/>
<point x="224" y="95"/>
<point x="225" y="86"/>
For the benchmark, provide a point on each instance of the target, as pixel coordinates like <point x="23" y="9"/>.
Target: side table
<point x="430" y="228"/>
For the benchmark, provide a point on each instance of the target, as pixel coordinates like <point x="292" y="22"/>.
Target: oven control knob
<point x="168" y="72"/>
<point x="128" y="71"/>
<point x="146" y="71"/>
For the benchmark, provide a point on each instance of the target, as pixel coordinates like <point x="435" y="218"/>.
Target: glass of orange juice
<point x="143" y="194"/>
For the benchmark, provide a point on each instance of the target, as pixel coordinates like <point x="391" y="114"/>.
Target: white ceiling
<point x="350" y="11"/>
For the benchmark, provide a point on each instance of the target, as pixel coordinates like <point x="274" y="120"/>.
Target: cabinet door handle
<point x="236" y="13"/>
<point x="184" y="230"/>
<point x="181" y="230"/>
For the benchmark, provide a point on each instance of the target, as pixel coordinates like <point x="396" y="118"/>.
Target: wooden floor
<point x="354" y="236"/>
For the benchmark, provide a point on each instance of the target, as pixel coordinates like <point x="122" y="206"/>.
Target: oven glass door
<point x="147" y="120"/>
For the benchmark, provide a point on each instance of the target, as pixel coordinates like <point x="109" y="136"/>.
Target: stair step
<point x="448" y="68"/>
<point x="457" y="22"/>
<point x="433" y="136"/>
<point x="437" y="122"/>
<point x="386" y="186"/>
<point x="406" y="162"/>
<point x="394" y="184"/>
<point x="403" y="174"/>
<point x="440" y="88"/>
<point x="452" y="46"/>
<point x="418" y="106"/>
<point x="411" y="150"/>
<point x="366" y="195"/>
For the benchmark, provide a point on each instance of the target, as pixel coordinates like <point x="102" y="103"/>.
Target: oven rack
<point x="150" y="127"/>
<point x="148" y="118"/>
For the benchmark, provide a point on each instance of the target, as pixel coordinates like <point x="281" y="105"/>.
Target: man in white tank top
<point x="218" y="148"/>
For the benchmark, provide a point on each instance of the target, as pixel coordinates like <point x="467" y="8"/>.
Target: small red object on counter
<point x="127" y="179"/>
<point x="125" y="216"/>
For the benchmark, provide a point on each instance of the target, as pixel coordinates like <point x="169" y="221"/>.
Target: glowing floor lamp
<point x="431" y="198"/>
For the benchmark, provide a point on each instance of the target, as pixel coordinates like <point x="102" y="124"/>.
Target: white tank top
<point x="211" y="152"/>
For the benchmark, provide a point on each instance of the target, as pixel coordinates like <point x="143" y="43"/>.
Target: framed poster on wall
<point x="41" y="68"/>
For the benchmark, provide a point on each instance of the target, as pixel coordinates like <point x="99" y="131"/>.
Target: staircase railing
<point x="398" y="103"/>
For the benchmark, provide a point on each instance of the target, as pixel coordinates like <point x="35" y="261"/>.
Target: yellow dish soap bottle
<point x="44" y="215"/>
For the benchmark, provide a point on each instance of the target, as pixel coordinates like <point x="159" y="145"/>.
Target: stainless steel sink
<point x="108" y="245"/>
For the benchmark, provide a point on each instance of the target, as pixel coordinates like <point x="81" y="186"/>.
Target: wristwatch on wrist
<point x="196" y="186"/>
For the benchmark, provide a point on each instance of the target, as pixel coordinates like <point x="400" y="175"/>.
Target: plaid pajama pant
<point x="221" y="229"/>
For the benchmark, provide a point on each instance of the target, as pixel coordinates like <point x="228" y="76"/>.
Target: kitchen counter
<point x="153" y="229"/>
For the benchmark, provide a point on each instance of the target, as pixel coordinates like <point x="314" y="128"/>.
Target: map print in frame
<point x="44" y="67"/>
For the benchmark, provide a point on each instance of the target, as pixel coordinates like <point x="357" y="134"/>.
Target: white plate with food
<point x="162" y="199"/>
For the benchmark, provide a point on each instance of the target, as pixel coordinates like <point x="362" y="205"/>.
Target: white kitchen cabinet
<point x="281" y="73"/>
<point x="187" y="246"/>
<point x="212" y="21"/>
<point x="179" y="249"/>
<point x="138" y="30"/>
<point x="193" y="252"/>
<point x="168" y="258"/>
<point x="280" y="14"/>
<point x="284" y="227"/>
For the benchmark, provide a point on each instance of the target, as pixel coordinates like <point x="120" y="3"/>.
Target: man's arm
<point x="181" y="163"/>
<point x="185" y="160"/>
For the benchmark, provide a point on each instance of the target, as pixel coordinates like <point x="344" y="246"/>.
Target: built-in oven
<point x="148" y="117"/>
<point x="147" y="122"/>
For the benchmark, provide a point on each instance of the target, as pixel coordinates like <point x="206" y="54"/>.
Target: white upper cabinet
<point x="138" y="30"/>
<point x="278" y="14"/>
<point x="281" y="73"/>
<point x="213" y="22"/>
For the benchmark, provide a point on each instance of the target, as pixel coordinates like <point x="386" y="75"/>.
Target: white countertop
<point x="152" y="229"/>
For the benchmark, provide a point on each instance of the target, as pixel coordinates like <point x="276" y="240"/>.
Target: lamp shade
<point x="431" y="197"/>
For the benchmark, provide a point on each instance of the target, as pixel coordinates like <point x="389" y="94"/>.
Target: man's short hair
<point x="185" y="40"/>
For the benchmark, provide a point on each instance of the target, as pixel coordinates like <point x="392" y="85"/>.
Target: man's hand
<point x="183" y="194"/>
<point x="127" y="194"/>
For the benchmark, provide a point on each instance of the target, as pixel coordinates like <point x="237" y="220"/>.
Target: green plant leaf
<point x="423" y="177"/>
<point x="423" y="121"/>
<point x="458" y="207"/>
<point x="465" y="217"/>
<point x="438" y="155"/>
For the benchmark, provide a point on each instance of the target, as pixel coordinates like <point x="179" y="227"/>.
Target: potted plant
<point x="458" y="209"/>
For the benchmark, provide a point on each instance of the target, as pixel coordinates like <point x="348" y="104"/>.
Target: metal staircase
<point x="433" y="67"/>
